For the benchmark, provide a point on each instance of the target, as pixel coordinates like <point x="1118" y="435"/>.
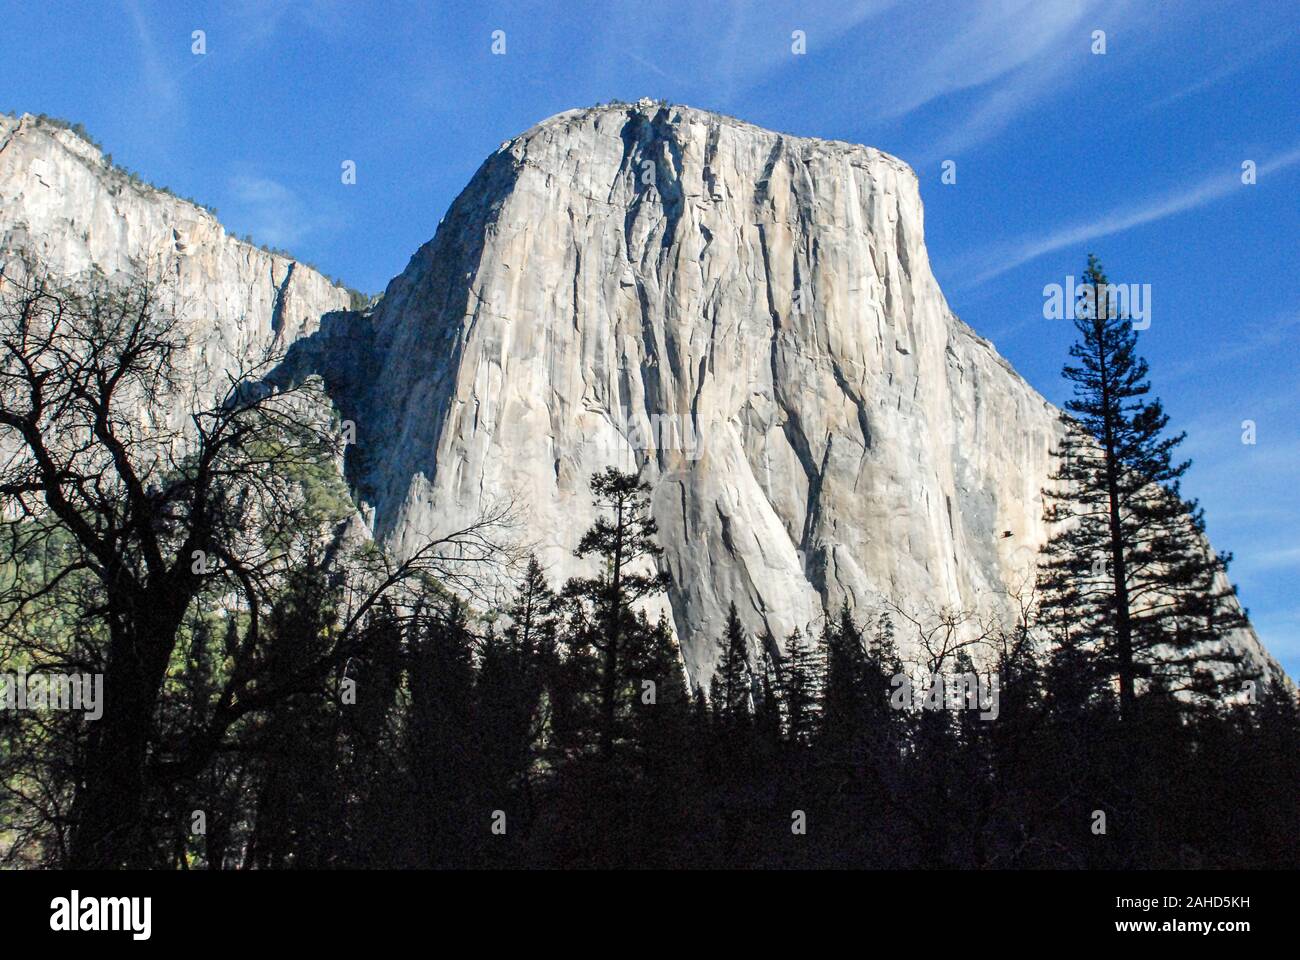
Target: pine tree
<point x="624" y="542"/>
<point x="845" y="692"/>
<point x="298" y="791"/>
<point x="1127" y="569"/>
<point x="533" y="615"/>
<point x="441" y="742"/>
<point x="660" y="724"/>
<point x="881" y="665"/>
<point x="506" y="702"/>
<point x="801" y="688"/>
<point x="1020" y="694"/>
<point x="882" y="661"/>
<point x="734" y="682"/>
<point x="530" y="648"/>
<point x="767" y="691"/>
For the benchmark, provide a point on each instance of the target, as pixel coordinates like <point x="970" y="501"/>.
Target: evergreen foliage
<point x="1131" y="591"/>
<point x="411" y="730"/>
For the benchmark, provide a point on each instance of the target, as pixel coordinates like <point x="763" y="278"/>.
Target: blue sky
<point x="1135" y="154"/>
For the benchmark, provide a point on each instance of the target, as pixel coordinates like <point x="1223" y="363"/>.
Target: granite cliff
<point x="63" y="201"/>
<point x="747" y="318"/>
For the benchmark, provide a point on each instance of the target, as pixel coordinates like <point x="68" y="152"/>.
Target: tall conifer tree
<point x="802" y="675"/>
<point x="734" y="681"/>
<point x="1128" y="572"/>
<point x="624" y="540"/>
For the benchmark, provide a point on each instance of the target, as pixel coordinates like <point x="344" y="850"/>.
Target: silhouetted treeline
<point x="275" y="699"/>
<point x="469" y="747"/>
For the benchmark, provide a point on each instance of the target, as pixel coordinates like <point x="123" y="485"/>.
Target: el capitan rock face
<point x="750" y="320"/>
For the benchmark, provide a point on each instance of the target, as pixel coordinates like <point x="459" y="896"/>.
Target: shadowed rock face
<point x="749" y="319"/>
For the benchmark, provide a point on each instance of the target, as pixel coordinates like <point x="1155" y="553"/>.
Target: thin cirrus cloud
<point x="1003" y="58"/>
<point x="736" y="46"/>
<point x="164" y="96"/>
<point x="1127" y="217"/>
<point x="999" y="108"/>
<point x="1234" y="66"/>
<point x="1282" y="558"/>
<point x="1244" y="343"/>
<point x="997" y="40"/>
<point x="268" y="210"/>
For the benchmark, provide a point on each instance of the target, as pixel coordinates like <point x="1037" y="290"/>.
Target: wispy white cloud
<point x="1002" y="57"/>
<point x="275" y="214"/>
<point x="269" y="210"/>
<point x="1280" y="632"/>
<point x="755" y="40"/>
<point x="1000" y="106"/>
<point x="1282" y="558"/>
<point x="1214" y="77"/>
<point x="1127" y="217"/>
<point x="162" y="95"/>
<point x="652" y="67"/>
<point x="994" y="41"/>
<point x="1245" y="342"/>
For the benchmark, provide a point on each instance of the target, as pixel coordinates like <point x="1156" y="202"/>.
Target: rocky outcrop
<point x="750" y="320"/>
<point x="747" y="317"/>
<point x="63" y="201"/>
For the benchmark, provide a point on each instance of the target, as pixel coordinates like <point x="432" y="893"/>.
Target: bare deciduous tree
<point x="116" y="483"/>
